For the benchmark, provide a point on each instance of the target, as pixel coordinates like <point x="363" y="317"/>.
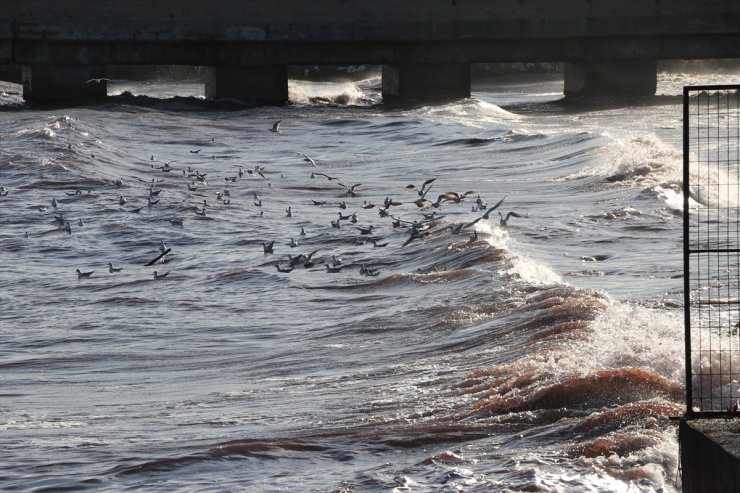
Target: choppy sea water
<point x="546" y="355"/>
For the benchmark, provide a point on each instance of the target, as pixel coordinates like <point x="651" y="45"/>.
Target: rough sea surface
<point x="542" y="356"/>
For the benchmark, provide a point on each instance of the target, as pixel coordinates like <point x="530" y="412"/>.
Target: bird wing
<point x="488" y="212"/>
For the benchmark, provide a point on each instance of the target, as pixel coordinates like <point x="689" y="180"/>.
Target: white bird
<point x="83" y="275"/>
<point x="293" y="243"/>
<point x="112" y="269"/>
<point x="162" y="246"/>
<point x="308" y="160"/>
<point x="160" y="276"/>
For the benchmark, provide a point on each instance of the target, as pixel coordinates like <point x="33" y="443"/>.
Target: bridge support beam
<point x="57" y="83"/>
<point x="266" y="84"/>
<point x="614" y="78"/>
<point x="426" y="82"/>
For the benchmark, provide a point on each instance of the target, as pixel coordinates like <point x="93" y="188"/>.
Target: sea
<point x="395" y="337"/>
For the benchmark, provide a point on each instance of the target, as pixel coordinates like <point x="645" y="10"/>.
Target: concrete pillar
<point x="615" y="78"/>
<point x="426" y="82"/>
<point x="55" y="83"/>
<point x="265" y="84"/>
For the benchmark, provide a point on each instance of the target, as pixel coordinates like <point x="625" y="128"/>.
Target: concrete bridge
<point x="425" y="46"/>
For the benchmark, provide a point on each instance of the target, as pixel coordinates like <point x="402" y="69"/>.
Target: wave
<point x="639" y="160"/>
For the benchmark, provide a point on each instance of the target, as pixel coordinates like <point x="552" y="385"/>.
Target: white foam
<point x="639" y="159"/>
<point x="523" y="267"/>
<point x="301" y="91"/>
<point x="627" y="335"/>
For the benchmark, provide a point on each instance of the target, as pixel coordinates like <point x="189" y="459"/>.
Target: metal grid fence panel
<point x="712" y="248"/>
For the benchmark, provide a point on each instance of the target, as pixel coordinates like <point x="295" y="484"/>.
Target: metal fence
<point x="711" y="181"/>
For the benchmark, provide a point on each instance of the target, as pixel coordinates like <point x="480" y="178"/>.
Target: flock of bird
<point x="428" y="221"/>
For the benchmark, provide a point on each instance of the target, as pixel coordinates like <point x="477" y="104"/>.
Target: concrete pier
<point x="710" y="455"/>
<point x="52" y="83"/>
<point x="426" y="82"/>
<point x="264" y="84"/>
<point x="613" y="78"/>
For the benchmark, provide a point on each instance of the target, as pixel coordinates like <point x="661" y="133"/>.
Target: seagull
<point x="283" y="269"/>
<point x="330" y="178"/>
<point x="112" y="269"/>
<point x="452" y="197"/>
<point x="288" y="212"/>
<point x="161" y="259"/>
<point x="424" y="188"/>
<point x="160" y="276"/>
<point x="336" y="261"/>
<point x="474" y="236"/>
<point x="276" y="127"/>
<point x="3" y="191"/>
<point x="504" y="220"/>
<point x="333" y="268"/>
<point x="366" y="231"/>
<point x="76" y="192"/>
<point x="97" y="81"/>
<point x="378" y="245"/>
<point x="486" y="214"/>
<point x="162" y="247"/>
<point x="308" y="160"/>
<point x="137" y="210"/>
<point x="83" y="275"/>
<point x="195" y="151"/>
<point x="336" y="224"/>
<point x="303" y="231"/>
<point x="293" y="243"/>
<point x="368" y="272"/>
<point x="267" y="246"/>
<point x="176" y="221"/>
<point x="67" y="227"/>
<point x="306" y="258"/>
<point x="152" y="202"/>
<point x="80" y="223"/>
<point x="350" y="189"/>
<point x="121" y="200"/>
<point x="54" y="202"/>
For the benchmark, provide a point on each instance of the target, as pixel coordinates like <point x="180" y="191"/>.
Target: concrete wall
<point x="710" y="455"/>
<point x="259" y="32"/>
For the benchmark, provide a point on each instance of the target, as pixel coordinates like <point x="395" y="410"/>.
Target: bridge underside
<point x="257" y="71"/>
